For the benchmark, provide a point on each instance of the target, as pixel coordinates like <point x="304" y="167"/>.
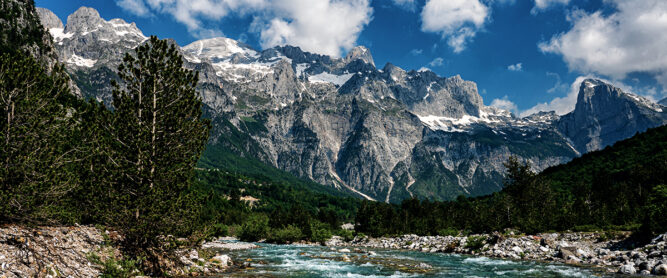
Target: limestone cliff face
<point x="605" y="114"/>
<point x="386" y="134"/>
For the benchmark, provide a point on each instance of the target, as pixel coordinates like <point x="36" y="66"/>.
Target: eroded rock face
<point x="605" y="114"/>
<point x="386" y="134"/>
<point x="56" y="251"/>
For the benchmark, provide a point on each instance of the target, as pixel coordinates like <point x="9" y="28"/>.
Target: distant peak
<point x="83" y="20"/>
<point x="49" y="19"/>
<point x="362" y="53"/>
<point x="588" y="83"/>
<point x="86" y="12"/>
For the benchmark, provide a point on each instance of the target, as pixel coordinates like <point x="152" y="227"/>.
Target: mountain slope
<point x="386" y="134"/>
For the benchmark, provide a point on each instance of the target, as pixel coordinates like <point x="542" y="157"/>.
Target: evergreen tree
<point x="160" y="136"/>
<point x="35" y="152"/>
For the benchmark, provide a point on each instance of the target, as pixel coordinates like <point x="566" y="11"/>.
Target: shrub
<point x="218" y="230"/>
<point x="347" y="235"/>
<point x="285" y="235"/>
<point x="255" y="228"/>
<point x="475" y="242"/>
<point x="586" y="228"/>
<point x="448" y="232"/>
<point x="319" y="232"/>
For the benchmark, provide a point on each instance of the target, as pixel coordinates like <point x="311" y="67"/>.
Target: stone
<point x="344" y="250"/>
<point x="221" y="260"/>
<point x="627" y="269"/>
<point x="346" y="258"/>
<point x="660" y="269"/>
<point x="517" y="250"/>
<point x="565" y="252"/>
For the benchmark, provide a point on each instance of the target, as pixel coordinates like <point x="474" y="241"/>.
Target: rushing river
<point x="315" y="261"/>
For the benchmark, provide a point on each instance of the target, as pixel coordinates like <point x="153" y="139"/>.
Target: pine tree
<point x="160" y="135"/>
<point x="34" y="130"/>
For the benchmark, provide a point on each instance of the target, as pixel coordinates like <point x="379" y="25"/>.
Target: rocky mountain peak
<point x="663" y="102"/>
<point x="361" y="53"/>
<point x="49" y="19"/>
<point x="217" y="49"/>
<point x="83" y="20"/>
<point x="605" y="114"/>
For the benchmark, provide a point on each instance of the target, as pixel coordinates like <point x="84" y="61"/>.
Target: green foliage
<point x="475" y="242"/>
<point x="36" y="151"/>
<point x="347" y="235"/>
<point x="285" y="235"/>
<point x="256" y="227"/>
<point x="448" y="232"/>
<point x="320" y="232"/>
<point x="157" y="124"/>
<point x="112" y="268"/>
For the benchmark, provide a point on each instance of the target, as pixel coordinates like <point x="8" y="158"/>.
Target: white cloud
<point x="505" y="104"/>
<point x="437" y="62"/>
<point x="541" y="5"/>
<point x="416" y="52"/>
<point x="136" y="7"/>
<point x="632" y="39"/>
<point x="560" y="105"/>
<point x="322" y="26"/>
<point x="456" y="20"/>
<point x="515" y="67"/>
<point x="559" y="86"/>
<point x="409" y="5"/>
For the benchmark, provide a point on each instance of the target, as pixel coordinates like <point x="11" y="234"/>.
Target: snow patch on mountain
<point x="81" y="62"/>
<point x="59" y="34"/>
<point x="326" y="77"/>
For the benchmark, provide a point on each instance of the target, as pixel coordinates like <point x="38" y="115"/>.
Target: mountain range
<point x="381" y="133"/>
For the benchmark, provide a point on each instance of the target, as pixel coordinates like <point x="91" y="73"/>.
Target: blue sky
<point x="525" y="55"/>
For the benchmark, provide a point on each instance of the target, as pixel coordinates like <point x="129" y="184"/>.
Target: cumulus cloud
<point x="409" y="5"/>
<point x="505" y="104"/>
<point x="541" y="5"/>
<point x="136" y="7"/>
<point x="515" y="67"/>
<point x="631" y="39"/>
<point x="456" y="20"/>
<point x="321" y="26"/>
<point x="437" y="62"/>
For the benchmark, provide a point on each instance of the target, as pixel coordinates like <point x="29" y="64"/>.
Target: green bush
<point x="319" y="232"/>
<point x="448" y="232"/>
<point x="255" y="228"/>
<point x="347" y="235"/>
<point x="285" y="235"/>
<point x="586" y="228"/>
<point x="475" y="242"/>
<point x="218" y="230"/>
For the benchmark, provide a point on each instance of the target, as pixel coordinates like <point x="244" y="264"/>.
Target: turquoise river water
<point x="315" y="261"/>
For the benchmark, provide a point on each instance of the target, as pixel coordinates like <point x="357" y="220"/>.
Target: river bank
<point x="587" y="249"/>
<point x="85" y="251"/>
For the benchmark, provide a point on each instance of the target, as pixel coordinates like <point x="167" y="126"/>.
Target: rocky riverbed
<point x="589" y="249"/>
<point x="83" y="251"/>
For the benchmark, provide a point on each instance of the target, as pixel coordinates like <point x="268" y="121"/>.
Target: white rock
<point x="222" y="260"/>
<point x="627" y="269"/>
<point x="344" y="250"/>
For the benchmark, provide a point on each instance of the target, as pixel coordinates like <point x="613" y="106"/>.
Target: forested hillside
<point x="620" y="187"/>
